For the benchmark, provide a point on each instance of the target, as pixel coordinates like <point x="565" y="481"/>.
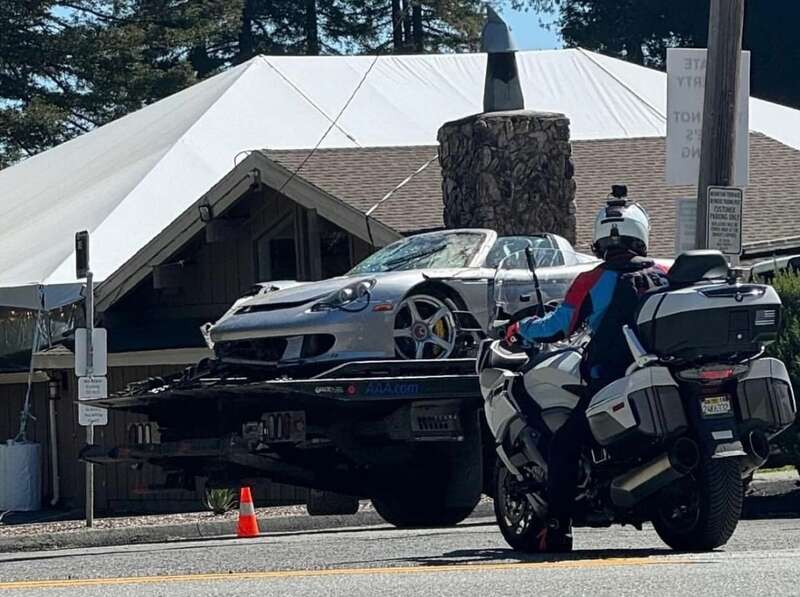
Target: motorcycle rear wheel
<point x="706" y="513"/>
<point x="518" y="522"/>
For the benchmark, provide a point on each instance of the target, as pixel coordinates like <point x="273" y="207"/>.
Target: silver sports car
<point x="427" y="296"/>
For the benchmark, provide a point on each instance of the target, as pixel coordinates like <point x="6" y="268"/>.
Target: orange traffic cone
<point x="248" y="525"/>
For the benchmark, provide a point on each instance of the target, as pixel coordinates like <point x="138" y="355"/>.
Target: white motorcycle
<point x="671" y="441"/>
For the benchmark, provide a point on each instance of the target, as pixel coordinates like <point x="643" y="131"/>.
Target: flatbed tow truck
<point x="409" y="435"/>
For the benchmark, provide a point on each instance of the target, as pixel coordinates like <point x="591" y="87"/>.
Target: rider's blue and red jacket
<point x="604" y="299"/>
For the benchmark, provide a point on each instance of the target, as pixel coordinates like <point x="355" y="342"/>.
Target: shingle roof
<point x="362" y="177"/>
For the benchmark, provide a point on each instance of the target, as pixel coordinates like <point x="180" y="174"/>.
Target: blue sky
<point x="529" y="32"/>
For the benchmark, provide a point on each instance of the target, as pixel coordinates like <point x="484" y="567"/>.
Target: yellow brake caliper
<point x="440" y="331"/>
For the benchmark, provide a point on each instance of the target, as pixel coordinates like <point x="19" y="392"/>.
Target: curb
<point x="196" y="530"/>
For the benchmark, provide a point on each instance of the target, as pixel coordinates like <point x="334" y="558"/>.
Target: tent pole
<point x="22" y="436"/>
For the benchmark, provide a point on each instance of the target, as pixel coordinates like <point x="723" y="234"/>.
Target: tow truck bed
<point x="405" y="433"/>
<point x="357" y="382"/>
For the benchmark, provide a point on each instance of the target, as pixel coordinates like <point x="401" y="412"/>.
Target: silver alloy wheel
<point x="424" y="328"/>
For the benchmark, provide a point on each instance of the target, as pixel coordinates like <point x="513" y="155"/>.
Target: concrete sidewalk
<point x="86" y="538"/>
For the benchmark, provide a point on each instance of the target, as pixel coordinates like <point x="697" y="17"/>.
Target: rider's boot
<point x="556" y="536"/>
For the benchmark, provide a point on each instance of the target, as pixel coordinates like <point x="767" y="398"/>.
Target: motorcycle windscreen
<point x="513" y="287"/>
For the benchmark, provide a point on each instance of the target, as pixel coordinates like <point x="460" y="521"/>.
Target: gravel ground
<point x="124" y="522"/>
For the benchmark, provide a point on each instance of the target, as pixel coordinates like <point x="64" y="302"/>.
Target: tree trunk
<point x="312" y="28"/>
<point x="416" y="18"/>
<point x="407" y="33"/>
<point x="246" y="40"/>
<point x="397" y="25"/>
<point x="201" y="62"/>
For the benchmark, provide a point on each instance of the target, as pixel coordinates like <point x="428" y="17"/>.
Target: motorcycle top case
<point x="639" y="410"/>
<point x="707" y="321"/>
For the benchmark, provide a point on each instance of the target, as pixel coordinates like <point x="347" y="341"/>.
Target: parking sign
<point x="725" y="219"/>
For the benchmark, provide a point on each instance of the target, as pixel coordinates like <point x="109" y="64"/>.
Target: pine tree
<point x="67" y="66"/>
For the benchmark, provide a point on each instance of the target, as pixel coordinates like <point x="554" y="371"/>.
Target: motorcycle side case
<point x="765" y="396"/>
<point x="642" y="409"/>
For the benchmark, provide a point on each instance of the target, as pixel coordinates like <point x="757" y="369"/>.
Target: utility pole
<point x="718" y="145"/>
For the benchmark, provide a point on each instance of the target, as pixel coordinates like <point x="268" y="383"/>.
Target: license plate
<point x="286" y="426"/>
<point x="715" y="405"/>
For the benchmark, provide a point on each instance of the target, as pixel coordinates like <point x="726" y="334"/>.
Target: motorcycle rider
<point x="604" y="299"/>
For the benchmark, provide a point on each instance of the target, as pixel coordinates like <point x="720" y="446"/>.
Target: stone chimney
<point x="508" y="168"/>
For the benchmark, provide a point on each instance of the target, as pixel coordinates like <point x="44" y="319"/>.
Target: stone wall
<point x="510" y="171"/>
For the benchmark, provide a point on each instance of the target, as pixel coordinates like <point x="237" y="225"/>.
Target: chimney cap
<point x="496" y="37"/>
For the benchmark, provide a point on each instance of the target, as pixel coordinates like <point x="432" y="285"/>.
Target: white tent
<point x="126" y="181"/>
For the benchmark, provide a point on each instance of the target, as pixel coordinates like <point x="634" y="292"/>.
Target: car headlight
<point x="349" y="294"/>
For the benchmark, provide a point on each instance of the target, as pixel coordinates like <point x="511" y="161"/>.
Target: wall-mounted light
<point x="206" y="213"/>
<point x="53" y="389"/>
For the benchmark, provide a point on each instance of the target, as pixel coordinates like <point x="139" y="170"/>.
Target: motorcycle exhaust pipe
<point x="632" y="487"/>
<point x="757" y="448"/>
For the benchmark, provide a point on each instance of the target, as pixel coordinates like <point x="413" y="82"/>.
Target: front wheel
<point x="518" y="522"/>
<point x="700" y="512"/>
<point x="425" y="328"/>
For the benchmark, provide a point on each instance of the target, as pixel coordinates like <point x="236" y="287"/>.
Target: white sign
<point x="99" y="352"/>
<point x="92" y="388"/>
<point x="725" y="219"/>
<point x="91" y="415"/>
<point x="686" y="232"/>
<point x="686" y="81"/>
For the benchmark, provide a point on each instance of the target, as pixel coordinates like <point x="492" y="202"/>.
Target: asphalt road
<point x="762" y="559"/>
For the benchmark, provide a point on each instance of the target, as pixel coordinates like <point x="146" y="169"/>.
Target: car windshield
<point x="545" y="254"/>
<point x="441" y="250"/>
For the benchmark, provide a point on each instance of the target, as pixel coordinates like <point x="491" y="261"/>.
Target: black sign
<point x="81" y="254"/>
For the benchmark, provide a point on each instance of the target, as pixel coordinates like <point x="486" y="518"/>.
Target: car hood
<point x="298" y="292"/>
<point x="302" y="292"/>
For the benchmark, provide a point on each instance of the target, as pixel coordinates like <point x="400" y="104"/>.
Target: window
<point x="276" y="255"/>
<point x="514" y="247"/>
<point x="335" y="249"/>
<point x="432" y="250"/>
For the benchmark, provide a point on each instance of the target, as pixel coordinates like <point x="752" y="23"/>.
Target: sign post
<point x="90" y="366"/>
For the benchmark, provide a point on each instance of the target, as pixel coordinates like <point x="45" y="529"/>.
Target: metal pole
<point x="90" y="371"/>
<point x="717" y="153"/>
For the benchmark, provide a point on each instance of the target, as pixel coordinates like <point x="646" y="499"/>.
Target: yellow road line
<point x="185" y="578"/>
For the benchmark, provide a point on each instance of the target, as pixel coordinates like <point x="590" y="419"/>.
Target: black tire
<point x="709" y="517"/>
<point x="438" y="485"/>
<point x="328" y="503"/>
<point x="518" y="523"/>
<point x="414" y="511"/>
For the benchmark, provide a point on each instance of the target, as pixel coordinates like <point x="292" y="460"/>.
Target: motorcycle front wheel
<point x="701" y="511"/>
<point x="515" y="516"/>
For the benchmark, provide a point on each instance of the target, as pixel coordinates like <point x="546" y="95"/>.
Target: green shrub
<point x="220" y="501"/>
<point x="787" y="349"/>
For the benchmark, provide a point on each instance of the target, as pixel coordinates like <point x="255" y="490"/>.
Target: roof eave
<point x="256" y="169"/>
